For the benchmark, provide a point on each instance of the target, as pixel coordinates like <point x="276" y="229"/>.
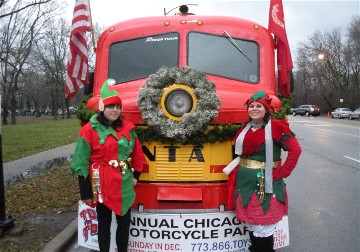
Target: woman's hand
<point x="134" y="181"/>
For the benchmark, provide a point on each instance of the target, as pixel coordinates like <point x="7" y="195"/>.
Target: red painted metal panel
<point x="213" y="195"/>
<point x="216" y="168"/>
<point x="180" y="194"/>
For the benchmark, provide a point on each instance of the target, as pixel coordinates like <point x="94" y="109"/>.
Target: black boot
<point x="253" y="247"/>
<point x="265" y="244"/>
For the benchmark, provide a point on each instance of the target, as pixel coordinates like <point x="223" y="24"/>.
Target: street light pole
<point x="4" y="221"/>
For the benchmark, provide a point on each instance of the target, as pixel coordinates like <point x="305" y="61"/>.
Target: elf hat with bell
<point x="108" y="96"/>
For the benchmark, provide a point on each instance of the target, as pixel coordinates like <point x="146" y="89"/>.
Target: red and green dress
<point x="243" y="183"/>
<point x="96" y="146"/>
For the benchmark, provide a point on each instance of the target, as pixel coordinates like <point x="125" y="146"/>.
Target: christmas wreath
<point x="191" y="123"/>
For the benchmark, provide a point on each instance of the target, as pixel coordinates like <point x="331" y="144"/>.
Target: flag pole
<point x="92" y="29"/>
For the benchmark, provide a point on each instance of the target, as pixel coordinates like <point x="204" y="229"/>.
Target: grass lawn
<point x="43" y="206"/>
<point x="33" y="134"/>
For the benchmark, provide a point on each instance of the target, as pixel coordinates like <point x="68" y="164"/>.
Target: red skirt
<point x="253" y="212"/>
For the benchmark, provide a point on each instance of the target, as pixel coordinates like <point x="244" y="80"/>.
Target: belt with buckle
<point x="123" y="164"/>
<point x="255" y="164"/>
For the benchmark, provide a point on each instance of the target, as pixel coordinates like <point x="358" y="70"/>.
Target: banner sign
<point x="159" y="232"/>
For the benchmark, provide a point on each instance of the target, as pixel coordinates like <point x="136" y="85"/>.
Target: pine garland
<point x="216" y="133"/>
<point x="285" y="109"/>
<point x="84" y="113"/>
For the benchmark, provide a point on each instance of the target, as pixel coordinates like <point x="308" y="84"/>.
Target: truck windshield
<point x="138" y="58"/>
<point x="216" y="55"/>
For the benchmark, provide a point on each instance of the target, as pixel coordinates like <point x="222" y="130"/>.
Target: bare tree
<point x="328" y="69"/>
<point x="34" y="92"/>
<point x="352" y="55"/>
<point x="20" y="6"/>
<point x="33" y="58"/>
<point x="17" y="39"/>
<point x="50" y="56"/>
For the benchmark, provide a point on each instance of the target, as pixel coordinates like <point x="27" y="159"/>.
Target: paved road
<point x="324" y="188"/>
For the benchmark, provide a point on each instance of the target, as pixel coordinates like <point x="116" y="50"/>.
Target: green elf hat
<point x="108" y="96"/>
<point x="261" y="97"/>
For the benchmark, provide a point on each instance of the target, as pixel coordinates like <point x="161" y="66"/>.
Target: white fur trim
<point x="231" y="166"/>
<point x="111" y="82"/>
<point x="101" y="105"/>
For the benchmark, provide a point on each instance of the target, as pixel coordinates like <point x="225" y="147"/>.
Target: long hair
<point x="267" y="117"/>
<point x="104" y="121"/>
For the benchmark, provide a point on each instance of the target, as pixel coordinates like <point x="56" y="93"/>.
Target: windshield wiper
<point x="234" y="44"/>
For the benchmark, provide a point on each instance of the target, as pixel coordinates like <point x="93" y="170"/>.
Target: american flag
<point x="77" y="74"/>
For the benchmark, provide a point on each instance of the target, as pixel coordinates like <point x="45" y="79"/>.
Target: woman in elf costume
<point x="108" y="160"/>
<point x="256" y="187"/>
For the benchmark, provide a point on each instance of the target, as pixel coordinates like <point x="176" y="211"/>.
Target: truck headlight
<point x="178" y="100"/>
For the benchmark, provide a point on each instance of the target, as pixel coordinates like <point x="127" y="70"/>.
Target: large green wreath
<point x="191" y="123"/>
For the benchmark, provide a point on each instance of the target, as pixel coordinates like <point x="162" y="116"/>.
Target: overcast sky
<point x="302" y="18"/>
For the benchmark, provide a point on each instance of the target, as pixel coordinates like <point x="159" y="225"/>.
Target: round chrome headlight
<point x="178" y="102"/>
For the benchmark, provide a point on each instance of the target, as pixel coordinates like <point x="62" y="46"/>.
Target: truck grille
<point x="181" y="168"/>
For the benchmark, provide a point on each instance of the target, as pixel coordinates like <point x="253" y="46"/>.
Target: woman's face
<point x="112" y="112"/>
<point x="256" y="111"/>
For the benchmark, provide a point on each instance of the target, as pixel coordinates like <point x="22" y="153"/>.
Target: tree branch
<point x="22" y="8"/>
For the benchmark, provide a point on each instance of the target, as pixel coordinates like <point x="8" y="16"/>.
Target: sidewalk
<point x="34" y="165"/>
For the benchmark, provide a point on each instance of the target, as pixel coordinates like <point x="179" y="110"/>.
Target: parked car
<point x="307" y="110"/>
<point x="72" y="110"/>
<point x="355" y="114"/>
<point x="341" y="113"/>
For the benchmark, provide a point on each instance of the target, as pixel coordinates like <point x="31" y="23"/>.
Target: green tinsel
<point x="217" y="133"/>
